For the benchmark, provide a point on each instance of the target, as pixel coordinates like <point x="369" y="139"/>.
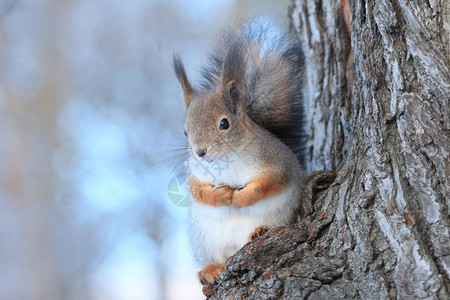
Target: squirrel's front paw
<point x="245" y="197"/>
<point x="223" y="195"/>
<point x="220" y="195"/>
<point x="211" y="273"/>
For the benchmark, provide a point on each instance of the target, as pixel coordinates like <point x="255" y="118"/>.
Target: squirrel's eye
<point x="185" y="133"/>
<point x="224" y="124"/>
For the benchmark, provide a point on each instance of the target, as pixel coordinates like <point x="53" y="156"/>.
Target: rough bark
<point x="378" y="101"/>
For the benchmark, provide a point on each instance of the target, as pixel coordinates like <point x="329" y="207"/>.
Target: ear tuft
<point x="233" y="90"/>
<point x="233" y="76"/>
<point x="232" y="96"/>
<point x="188" y="92"/>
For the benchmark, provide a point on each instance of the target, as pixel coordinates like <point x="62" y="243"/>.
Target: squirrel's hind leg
<point x="259" y="231"/>
<point x="211" y="273"/>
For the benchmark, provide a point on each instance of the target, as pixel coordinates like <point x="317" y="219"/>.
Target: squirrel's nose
<point x="201" y="152"/>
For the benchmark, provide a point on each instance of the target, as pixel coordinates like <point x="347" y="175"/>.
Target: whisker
<point x="170" y="157"/>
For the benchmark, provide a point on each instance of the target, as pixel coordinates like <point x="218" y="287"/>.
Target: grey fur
<point x="269" y="64"/>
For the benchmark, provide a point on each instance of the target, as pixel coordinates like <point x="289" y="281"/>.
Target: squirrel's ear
<point x="233" y="73"/>
<point x="232" y="97"/>
<point x="188" y="92"/>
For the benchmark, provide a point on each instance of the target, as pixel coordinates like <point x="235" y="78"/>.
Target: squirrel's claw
<point x="218" y="186"/>
<point x="211" y="273"/>
<point x="241" y="187"/>
<point x="259" y="231"/>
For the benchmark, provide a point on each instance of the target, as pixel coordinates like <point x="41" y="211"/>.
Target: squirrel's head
<point x="216" y="122"/>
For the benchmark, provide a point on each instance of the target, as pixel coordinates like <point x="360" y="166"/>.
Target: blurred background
<point x="91" y="139"/>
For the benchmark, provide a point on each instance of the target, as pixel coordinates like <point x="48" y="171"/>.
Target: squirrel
<point x="244" y="126"/>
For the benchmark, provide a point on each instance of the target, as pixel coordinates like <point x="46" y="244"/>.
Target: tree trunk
<point x="378" y="101"/>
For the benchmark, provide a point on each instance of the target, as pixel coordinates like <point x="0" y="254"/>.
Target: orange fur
<point x="257" y="189"/>
<point x="259" y="231"/>
<point x="205" y="193"/>
<point x="211" y="273"/>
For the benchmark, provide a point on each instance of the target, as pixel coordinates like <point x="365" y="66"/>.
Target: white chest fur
<point x="230" y="170"/>
<point x="218" y="232"/>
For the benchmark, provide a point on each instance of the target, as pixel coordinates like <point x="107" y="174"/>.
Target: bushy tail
<point x="272" y="65"/>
